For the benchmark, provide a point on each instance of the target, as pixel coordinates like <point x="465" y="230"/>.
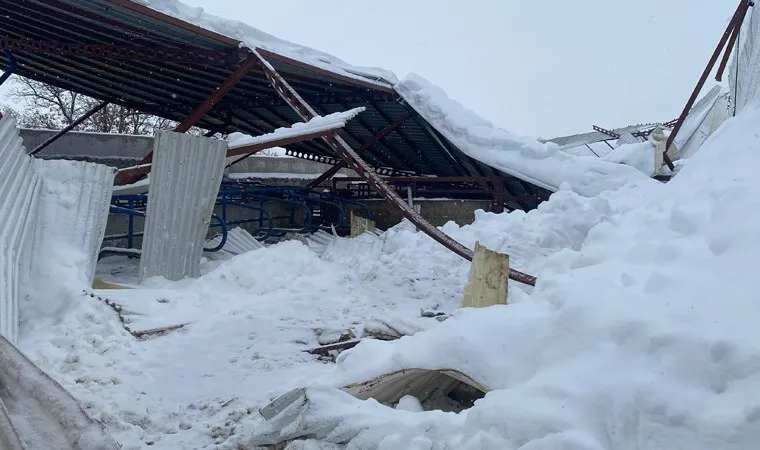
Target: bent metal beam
<point x="355" y="162"/>
<point x="200" y="111"/>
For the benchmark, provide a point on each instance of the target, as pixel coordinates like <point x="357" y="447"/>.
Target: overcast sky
<point x="542" y="68"/>
<point x="548" y="67"/>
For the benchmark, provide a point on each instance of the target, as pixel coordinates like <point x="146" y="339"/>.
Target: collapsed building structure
<point x="390" y="133"/>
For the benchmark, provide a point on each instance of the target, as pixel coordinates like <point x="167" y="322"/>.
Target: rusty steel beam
<point x="329" y="160"/>
<point x="498" y="194"/>
<point x="355" y="162"/>
<point x="734" y="24"/>
<point x="732" y="40"/>
<point x="183" y="54"/>
<point x="202" y="109"/>
<point x="249" y="150"/>
<point x="70" y="127"/>
<point x="376" y="138"/>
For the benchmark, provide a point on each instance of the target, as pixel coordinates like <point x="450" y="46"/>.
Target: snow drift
<point x="643" y="337"/>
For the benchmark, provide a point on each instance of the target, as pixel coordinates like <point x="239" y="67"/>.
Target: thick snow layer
<point x="542" y="164"/>
<point x="255" y="38"/>
<point x="642" y="337"/>
<point x="640" y="333"/>
<point x="640" y="155"/>
<point x="320" y="123"/>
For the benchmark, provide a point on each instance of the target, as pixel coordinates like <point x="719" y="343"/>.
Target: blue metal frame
<point x="135" y="212"/>
<point x="253" y="196"/>
<point x="11" y="68"/>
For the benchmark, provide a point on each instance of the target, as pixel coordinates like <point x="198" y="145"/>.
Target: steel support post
<point x="355" y="162"/>
<point x="498" y="194"/>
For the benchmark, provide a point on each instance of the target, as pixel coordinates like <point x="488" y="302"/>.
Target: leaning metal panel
<point x="187" y="173"/>
<point x="19" y="189"/>
<point x="744" y="74"/>
<point x="74" y="202"/>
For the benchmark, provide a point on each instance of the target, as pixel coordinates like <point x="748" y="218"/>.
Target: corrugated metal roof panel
<point x="19" y="188"/>
<point x="83" y="222"/>
<point x="187" y="173"/>
<point x="173" y="89"/>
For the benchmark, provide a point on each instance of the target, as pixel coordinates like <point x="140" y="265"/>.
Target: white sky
<point x="542" y="68"/>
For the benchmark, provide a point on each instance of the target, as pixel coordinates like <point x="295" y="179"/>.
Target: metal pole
<point x="70" y="127"/>
<point x="736" y="22"/>
<point x="355" y="162"/>
<point x="200" y="111"/>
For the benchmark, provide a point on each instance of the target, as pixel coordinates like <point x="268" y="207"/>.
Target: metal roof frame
<point x="134" y="56"/>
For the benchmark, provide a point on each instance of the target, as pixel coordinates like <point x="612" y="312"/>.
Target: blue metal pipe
<point x="11" y="68"/>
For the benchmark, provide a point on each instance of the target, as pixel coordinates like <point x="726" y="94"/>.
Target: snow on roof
<point x="320" y="123"/>
<point x="254" y="38"/>
<point x="542" y="164"/>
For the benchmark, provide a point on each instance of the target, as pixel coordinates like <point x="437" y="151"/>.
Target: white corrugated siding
<point x="74" y="204"/>
<point x="187" y="172"/>
<point x="238" y="242"/>
<point x="744" y="74"/>
<point x="19" y="186"/>
<point x="704" y="118"/>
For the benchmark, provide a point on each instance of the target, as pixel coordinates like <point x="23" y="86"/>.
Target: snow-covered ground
<point x="640" y="333"/>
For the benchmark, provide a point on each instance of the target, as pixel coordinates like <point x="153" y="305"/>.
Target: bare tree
<point x="50" y="107"/>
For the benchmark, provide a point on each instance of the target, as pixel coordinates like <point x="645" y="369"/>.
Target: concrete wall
<point x="437" y="212"/>
<point x="89" y="144"/>
<point x="125" y="150"/>
<point x="121" y="150"/>
<point x="268" y="164"/>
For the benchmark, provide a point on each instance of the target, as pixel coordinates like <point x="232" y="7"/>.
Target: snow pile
<point x="315" y="125"/>
<point x="643" y="337"/>
<point x="255" y="38"/>
<point x="250" y="320"/>
<point x="542" y="164"/>
<point x="639" y="155"/>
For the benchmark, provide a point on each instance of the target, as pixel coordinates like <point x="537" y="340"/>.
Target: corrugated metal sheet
<point x="576" y="140"/>
<point x="187" y="172"/>
<point x="74" y="203"/>
<point x="744" y="74"/>
<point x="703" y="119"/>
<point x="44" y="415"/>
<point x="19" y="186"/>
<point x="238" y="242"/>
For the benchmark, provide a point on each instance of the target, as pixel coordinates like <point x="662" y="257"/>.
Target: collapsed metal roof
<point x="601" y="135"/>
<point x="137" y="57"/>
